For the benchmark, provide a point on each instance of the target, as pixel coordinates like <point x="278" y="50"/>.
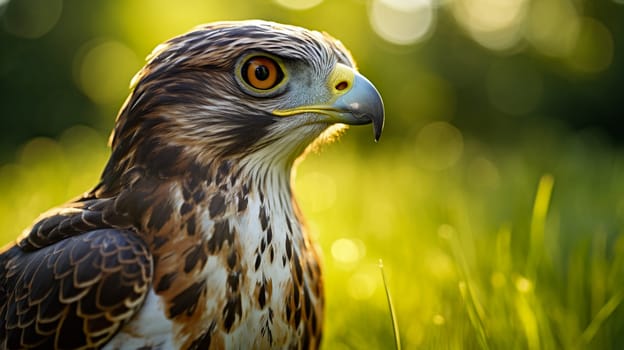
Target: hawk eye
<point x="262" y="72"/>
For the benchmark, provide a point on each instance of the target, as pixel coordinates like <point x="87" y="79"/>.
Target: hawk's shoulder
<point x="71" y="282"/>
<point x="74" y="218"/>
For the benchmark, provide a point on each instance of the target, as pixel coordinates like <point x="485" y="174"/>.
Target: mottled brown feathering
<point x="192" y="238"/>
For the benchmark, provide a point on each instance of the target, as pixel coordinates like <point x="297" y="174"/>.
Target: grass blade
<point x="538" y="223"/>
<point x="395" y="324"/>
<point x="607" y="309"/>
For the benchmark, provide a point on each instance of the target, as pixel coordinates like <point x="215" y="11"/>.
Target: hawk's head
<point x="240" y="89"/>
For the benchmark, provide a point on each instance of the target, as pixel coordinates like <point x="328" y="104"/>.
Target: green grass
<point x="513" y="247"/>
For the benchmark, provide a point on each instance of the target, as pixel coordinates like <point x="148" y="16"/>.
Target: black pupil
<point x="262" y="73"/>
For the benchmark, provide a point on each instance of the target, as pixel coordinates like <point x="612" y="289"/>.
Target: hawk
<point x="192" y="238"/>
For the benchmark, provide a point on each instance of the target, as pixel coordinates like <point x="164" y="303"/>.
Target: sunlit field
<point x="517" y="248"/>
<point x="494" y="197"/>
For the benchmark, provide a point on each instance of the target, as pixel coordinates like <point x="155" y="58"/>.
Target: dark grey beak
<point x="362" y="104"/>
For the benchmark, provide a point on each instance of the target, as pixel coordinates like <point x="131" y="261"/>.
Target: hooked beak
<point x="355" y="101"/>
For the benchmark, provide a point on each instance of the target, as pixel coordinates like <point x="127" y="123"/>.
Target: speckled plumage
<point x="192" y="238"/>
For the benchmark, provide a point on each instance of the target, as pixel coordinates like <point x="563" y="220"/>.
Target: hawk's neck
<point x="232" y="256"/>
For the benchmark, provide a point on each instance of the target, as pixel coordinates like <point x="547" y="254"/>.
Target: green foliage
<point x="473" y="260"/>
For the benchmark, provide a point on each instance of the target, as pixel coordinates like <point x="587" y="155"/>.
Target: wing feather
<point x="75" y="293"/>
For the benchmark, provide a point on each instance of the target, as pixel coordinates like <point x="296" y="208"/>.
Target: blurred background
<point x="495" y="196"/>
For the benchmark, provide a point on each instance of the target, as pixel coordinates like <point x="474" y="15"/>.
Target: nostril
<point x="342" y="85"/>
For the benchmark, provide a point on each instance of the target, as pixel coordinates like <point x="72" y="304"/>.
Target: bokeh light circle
<point x="552" y="27"/>
<point x="402" y="22"/>
<point x="494" y="24"/>
<point x="439" y="145"/>
<point x="483" y="173"/>
<point x="593" y="50"/>
<point x="298" y="4"/>
<point x="513" y="88"/>
<point x="361" y="285"/>
<point x="104" y="71"/>
<point x="31" y="18"/>
<point x="347" y="251"/>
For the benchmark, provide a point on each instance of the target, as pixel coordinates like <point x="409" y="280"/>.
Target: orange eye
<point x="262" y="73"/>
